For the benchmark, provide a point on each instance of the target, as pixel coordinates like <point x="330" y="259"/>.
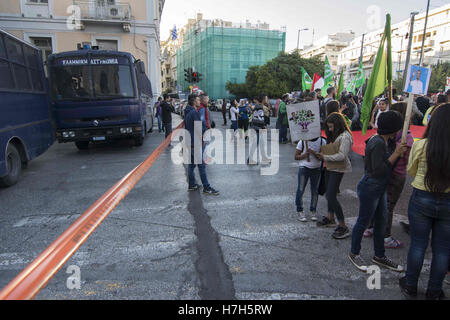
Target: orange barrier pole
<point x="39" y="272"/>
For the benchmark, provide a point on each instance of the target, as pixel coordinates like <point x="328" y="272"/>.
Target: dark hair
<point x="437" y="178"/>
<point x="332" y="106"/>
<point x="203" y="95"/>
<point x="339" y="124"/>
<point x="191" y="99"/>
<point x="166" y="95"/>
<point x="286" y="96"/>
<point x="400" y="107"/>
<point x="160" y="98"/>
<point x="330" y="89"/>
<point x="441" y="99"/>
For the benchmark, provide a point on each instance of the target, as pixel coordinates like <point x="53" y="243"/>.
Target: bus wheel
<point x="82" y="145"/>
<point x="13" y="167"/>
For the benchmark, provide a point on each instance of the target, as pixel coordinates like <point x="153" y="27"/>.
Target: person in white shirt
<point x="416" y="85"/>
<point x="310" y="169"/>
<point x="382" y="106"/>
<point x="234" y="112"/>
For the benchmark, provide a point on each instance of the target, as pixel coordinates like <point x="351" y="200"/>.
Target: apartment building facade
<point x="436" y="46"/>
<point x="59" y="25"/>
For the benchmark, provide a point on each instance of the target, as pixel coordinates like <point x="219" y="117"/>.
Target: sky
<point x="324" y="16"/>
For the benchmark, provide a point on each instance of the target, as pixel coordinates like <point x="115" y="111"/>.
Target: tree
<point x="278" y="76"/>
<point x="439" y="74"/>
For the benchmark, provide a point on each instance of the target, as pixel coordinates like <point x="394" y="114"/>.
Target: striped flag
<point x="174" y="33"/>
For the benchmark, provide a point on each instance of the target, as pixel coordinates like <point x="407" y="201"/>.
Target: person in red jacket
<point x="204" y="112"/>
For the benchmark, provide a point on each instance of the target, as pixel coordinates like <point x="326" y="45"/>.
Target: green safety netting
<point x="224" y="54"/>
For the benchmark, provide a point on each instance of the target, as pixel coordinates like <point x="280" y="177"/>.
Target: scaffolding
<point x="224" y="54"/>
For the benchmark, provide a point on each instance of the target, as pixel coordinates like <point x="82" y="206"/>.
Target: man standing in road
<point x="204" y="112"/>
<point x="192" y="116"/>
<point x="282" y="120"/>
<point x="166" y="114"/>
<point x="224" y="111"/>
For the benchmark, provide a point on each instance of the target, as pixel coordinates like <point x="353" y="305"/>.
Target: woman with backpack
<point x="336" y="156"/>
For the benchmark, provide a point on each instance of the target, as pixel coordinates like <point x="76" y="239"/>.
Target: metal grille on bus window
<point x="32" y="57"/>
<point x="14" y="49"/>
<point x="36" y="79"/>
<point x="22" y="80"/>
<point x="6" y="80"/>
<point x="2" y="48"/>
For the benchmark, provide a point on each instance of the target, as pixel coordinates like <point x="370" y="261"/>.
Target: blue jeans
<point x="160" y="126"/>
<point x="283" y="133"/>
<point x="428" y="212"/>
<point x="234" y="125"/>
<point x="304" y="174"/>
<point x="201" y="170"/>
<point x="372" y="205"/>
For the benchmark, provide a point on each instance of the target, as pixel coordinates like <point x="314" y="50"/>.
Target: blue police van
<point x="99" y="95"/>
<point x="26" y="129"/>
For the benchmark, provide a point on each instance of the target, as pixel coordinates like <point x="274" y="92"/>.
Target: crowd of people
<point x="389" y="157"/>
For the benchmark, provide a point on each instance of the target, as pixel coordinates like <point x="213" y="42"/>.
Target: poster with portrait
<point x="304" y="120"/>
<point x="417" y="80"/>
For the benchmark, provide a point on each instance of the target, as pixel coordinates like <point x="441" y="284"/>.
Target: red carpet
<point x="359" y="141"/>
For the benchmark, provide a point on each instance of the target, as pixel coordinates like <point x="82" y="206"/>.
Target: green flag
<point x="360" y="77"/>
<point x="327" y="77"/>
<point x="381" y="75"/>
<point x="340" y="87"/>
<point x="306" y="80"/>
<point x="352" y="86"/>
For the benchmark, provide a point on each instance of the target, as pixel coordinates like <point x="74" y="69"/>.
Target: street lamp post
<point x="298" y="36"/>
<point x="408" y="53"/>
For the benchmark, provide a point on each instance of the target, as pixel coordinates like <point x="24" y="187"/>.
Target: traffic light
<point x="196" y="76"/>
<point x="188" y="75"/>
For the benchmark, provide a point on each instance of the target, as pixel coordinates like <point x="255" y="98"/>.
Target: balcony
<point x="101" y="10"/>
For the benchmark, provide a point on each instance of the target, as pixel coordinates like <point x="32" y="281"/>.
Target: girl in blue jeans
<point x="378" y="161"/>
<point x="429" y="206"/>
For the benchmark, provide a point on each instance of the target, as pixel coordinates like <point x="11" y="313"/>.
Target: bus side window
<point x="6" y="80"/>
<point x="14" y="49"/>
<point x="2" y="48"/>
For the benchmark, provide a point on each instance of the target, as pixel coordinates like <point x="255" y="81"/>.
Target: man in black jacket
<point x="166" y="114"/>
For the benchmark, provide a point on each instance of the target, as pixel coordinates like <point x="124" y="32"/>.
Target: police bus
<point x="99" y="95"/>
<point x="25" y="120"/>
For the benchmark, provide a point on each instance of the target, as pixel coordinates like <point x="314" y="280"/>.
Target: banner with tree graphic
<point x="304" y="120"/>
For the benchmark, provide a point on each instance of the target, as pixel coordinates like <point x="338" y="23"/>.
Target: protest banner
<point x="304" y="120"/>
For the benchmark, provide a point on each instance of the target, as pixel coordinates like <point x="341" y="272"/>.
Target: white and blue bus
<point x="26" y="129"/>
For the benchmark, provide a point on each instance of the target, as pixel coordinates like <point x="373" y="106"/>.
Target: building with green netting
<point x="224" y="54"/>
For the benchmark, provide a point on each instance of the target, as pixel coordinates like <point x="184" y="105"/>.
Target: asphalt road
<point x="163" y="242"/>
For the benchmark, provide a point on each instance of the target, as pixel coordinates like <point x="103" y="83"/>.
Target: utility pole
<point x="408" y="53"/>
<point x="362" y="45"/>
<point x="424" y="34"/>
<point x="298" y="36"/>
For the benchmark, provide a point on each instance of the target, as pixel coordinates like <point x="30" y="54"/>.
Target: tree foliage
<point x="277" y="77"/>
<point x="439" y="74"/>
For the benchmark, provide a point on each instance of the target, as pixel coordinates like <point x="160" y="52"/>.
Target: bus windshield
<point x="108" y="82"/>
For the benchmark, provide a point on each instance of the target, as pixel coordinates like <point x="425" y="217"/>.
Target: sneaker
<point x="387" y="263"/>
<point x="358" y="262"/>
<point x="195" y="187"/>
<point x="266" y="161"/>
<point x="408" y="292"/>
<point x="301" y="216"/>
<point x="313" y="216"/>
<point x="341" y="233"/>
<point x="368" y="233"/>
<point x="210" y="190"/>
<point x="252" y="163"/>
<point x="391" y="243"/>
<point x="435" y="295"/>
<point x="325" y="222"/>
